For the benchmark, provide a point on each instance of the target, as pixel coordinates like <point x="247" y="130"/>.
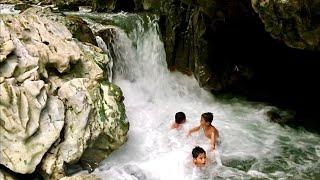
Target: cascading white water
<point x="8" y="9"/>
<point x="104" y="47"/>
<point x="250" y="147"/>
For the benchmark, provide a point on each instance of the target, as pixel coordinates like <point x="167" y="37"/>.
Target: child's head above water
<point x="199" y="156"/>
<point x="207" y="118"/>
<point x="180" y="118"/>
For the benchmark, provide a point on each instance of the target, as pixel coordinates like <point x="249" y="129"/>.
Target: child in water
<point x="199" y="156"/>
<point x="180" y="118"/>
<point x="201" y="163"/>
<point x="209" y="130"/>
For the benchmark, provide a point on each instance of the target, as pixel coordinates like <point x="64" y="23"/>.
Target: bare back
<point x="208" y="131"/>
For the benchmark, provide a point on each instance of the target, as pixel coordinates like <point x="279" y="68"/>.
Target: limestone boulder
<point x="31" y="118"/>
<point x="57" y="108"/>
<point x="4" y="175"/>
<point x="30" y="123"/>
<point x="77" y="27"/>
<point x="94" y="126"/>
<point x="294" y="22"/>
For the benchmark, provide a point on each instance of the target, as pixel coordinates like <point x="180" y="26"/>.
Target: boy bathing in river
<point x="210" y="131"/>
<point x="180" y="118"/>
<point x="199" y="156"/>
<point x="204" y="168"/>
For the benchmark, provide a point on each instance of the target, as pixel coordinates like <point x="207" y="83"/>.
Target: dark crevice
<point x="125" y="5"/>
<point x="33" y="176"/>
<point x="282" y="76"/>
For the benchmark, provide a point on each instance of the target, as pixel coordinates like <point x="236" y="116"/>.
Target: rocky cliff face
<point x="57" y="107"/>
<point x="296" y="23"/>
<point x="184" y="31"/>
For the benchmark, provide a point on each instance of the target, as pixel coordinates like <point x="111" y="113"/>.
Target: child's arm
<point x="193" y="130"/>
<point x="213" y="140"/>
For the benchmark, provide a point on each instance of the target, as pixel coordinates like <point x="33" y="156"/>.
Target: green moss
<point x="101" y="112"/>
<point x="77" y="70"/>
<point x="112" y="115"/>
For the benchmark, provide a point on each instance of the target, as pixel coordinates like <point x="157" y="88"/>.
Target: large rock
<point x="4" y="175"/>
<point x="6" y="48"/>
<point x="31" y="123"/>
<point x="95" y="126"/>
<point x="184" y="28"/>
<point x="30" y="118"/>
<point x="39" y="38"/>
<point x="295" y="22"/>
<point x="113" y="127"/>
<point x="56" y="107"/>
<point x="78" y="28"/>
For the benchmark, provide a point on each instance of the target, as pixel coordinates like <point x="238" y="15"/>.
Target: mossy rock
<point x="294" y="22"/>
<point x="80" y="29"/>
<point x="108" y="102"/>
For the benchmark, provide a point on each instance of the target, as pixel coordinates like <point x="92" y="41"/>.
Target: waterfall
<point x="251" y="147"/>
<point x="105" y="49"/>
<point x="8" y="9"/>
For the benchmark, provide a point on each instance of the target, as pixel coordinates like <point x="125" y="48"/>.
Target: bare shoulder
<point x="174" y="125"/>
<point x="215" y="130"/>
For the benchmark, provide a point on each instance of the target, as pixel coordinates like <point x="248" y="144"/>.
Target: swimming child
<point x="199" y="156"/>
<point x="209" y="130"/>
<point x="180" y="118"/>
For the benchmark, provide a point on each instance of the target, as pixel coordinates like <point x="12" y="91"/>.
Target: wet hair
<point x="208" y="117"/>
<point x="197" y="151"/>
<point x="180" y="117"/>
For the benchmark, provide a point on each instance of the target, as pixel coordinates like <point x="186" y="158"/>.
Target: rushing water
<point x="251" y="147"/>
<point x="8" y="9"/>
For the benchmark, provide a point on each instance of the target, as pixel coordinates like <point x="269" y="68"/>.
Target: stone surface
<point x="29" y="117"/>
<point x="111" y="113"/>
<point x="4" y="175"/>
<point x="94" y="126"/>
<point x="30" y="123"/>
<point x="55" y="102"/>
<point x="277" y="116"/>
<point x="78" y="28"/>
<point x="185" y="27"/>
<point x="6" y="49"/>
<point x="294" y="22"/>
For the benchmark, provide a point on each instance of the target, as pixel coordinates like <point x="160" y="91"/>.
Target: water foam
<point x="8" y="9"/>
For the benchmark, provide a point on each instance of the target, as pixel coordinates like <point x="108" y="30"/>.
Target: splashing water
<point x="8" y="9"/>
<point x="103" y="46"/>
<point x="251" y="147"/>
